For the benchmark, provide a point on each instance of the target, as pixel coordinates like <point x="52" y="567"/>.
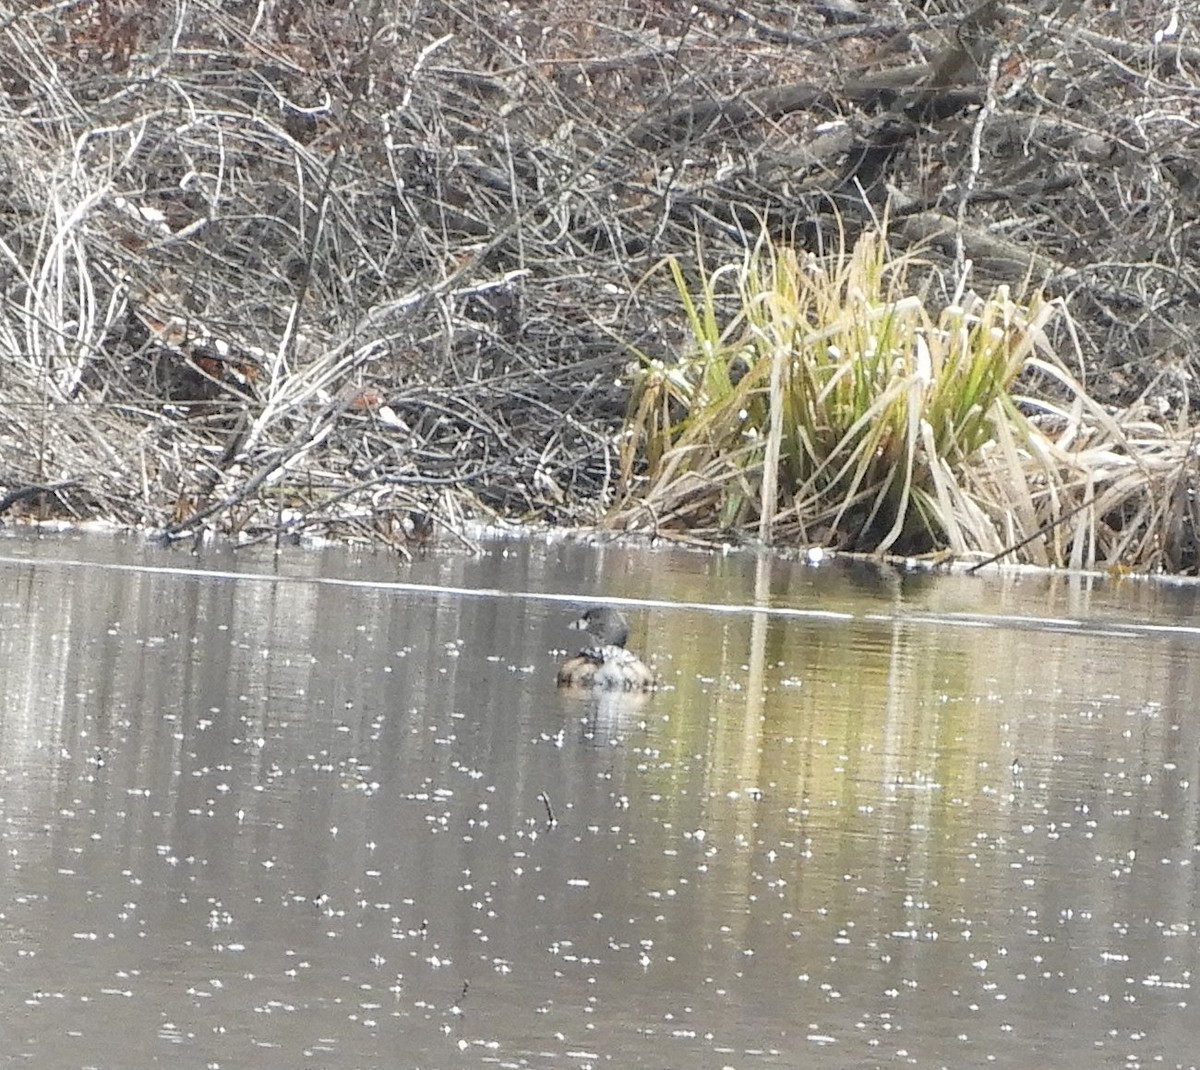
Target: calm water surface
<point x="278" y="819"/>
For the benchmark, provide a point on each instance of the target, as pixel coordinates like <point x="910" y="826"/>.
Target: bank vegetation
<point x="904" y="277"/>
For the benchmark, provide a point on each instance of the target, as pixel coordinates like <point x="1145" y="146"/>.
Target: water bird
<point x="605" y="665"/>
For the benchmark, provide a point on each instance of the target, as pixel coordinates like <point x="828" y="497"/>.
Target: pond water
<point x="328" y="809"/>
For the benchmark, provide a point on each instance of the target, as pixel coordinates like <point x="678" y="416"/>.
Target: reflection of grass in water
<point x="887" y="770"/>
<point x="844" y="709"/>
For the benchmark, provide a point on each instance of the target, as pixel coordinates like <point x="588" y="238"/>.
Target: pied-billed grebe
<point x="607" y="664"/>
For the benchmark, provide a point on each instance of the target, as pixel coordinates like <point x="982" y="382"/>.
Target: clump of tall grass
<point x="825" y="400"/>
